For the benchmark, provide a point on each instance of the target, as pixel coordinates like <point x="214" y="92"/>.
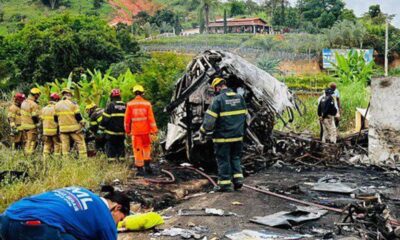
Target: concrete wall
<point x="384" y="124"/>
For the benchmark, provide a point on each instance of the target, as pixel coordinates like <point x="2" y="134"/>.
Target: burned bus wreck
<point x="267" y="100"/>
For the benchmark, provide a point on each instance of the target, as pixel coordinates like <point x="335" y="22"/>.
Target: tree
<point x="346" y="34"/>
<point x="206" y="6"/>
<point x="51" y="48"/>
<point x="323" y="14"/>
<point x="225" y="22"/>
<point x="348" y="14"/>
<point x="163" y="15"/>
<point x="374" y="11"/>
<point x="177" y="25"/>
<point x="237" y="8"/>
<point x="97" y="3"/>
<point x="141" y="18"/>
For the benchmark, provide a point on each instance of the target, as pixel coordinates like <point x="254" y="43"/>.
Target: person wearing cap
<point x="225" y="118"/>
<point x="336" y="95"/>
<point x="14" y="119"/>
<point x="327" y="111"/>
<point x="30" y="120"/>
<point x="113" y="124"/>
<point x="70" y="124"/>
<point x="95" y="117"/>
<point x="51" y="139"/>
<point x="70" y="213"/>
<point x="141" y="125"/>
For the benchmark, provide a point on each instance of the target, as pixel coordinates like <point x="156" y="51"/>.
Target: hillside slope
<point x="126" y="9"/>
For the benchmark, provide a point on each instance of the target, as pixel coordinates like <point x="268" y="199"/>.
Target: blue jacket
<point x="73" y="210"/>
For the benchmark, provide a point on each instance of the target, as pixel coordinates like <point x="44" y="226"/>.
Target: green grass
<point x="52" y="173"/>
<point x="33" y="10"/>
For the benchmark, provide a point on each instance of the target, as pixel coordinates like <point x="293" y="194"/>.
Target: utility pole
<point x="387" y="48"/>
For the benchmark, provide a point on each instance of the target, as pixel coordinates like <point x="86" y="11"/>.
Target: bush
<point x="51" y="48"/>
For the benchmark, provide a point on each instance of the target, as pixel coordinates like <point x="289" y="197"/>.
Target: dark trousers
<point x="20" y="230"/>
<point x="228" y="156"/>
<point x="115" y="147"/>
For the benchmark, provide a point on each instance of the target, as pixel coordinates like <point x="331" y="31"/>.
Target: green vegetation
<point x="52" y="173"/>
<point x="46" y="49"/>
<point x="19" y="12"/>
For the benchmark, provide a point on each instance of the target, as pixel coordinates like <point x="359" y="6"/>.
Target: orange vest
<point x="139" y="117"/>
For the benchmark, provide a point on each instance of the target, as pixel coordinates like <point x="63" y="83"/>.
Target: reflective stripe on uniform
<point x="25" y="113"/>
<point x="139" y="119"/>
<point x="49" y="130"/>
<point x="118" y="115"/>
<point x="65" y="113"/>
<point x="48" y="117"/>
<point x="93" y="123"/>
<point x="12" y="115"/>
<point x="28" y="126"/>
<point x="106" y="115"/>
<point x="238" y="175"/>
<point x="211" y="113"/>
<point x="232" y="113"/>
<point x="224" y="182"/>
<point x="114" y="133"/>
<point x="202" y="129"/>
<point x="227" y="140"/>
<point x="230" y="94"/>
<point x="74" y="127"/>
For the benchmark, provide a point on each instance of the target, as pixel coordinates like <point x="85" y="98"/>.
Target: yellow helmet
<point x="35" y="91"/>
<point x="216" y="81"/>
<point x="138" y="88"/>
<point x="90" y="106"/>
<point x="66" y="90"/>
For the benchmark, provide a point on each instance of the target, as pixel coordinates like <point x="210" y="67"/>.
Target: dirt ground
<point x="291" y="181"/>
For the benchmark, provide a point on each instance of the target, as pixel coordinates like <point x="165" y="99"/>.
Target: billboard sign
<point x="329" y="55"/>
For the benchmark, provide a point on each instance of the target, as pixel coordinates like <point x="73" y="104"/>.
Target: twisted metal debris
<point x="266" y="97"/>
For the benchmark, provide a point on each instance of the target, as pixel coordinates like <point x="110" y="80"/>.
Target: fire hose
<point x="162" y="181"/>
<point x="201" y="173"/>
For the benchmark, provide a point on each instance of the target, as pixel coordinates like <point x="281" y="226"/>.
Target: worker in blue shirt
<point x="65" y="214"/>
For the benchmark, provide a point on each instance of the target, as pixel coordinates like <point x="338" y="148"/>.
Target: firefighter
<point x="141" y="125"/>
<point x="95" y="117"/>
<point x="113" y="123"/>
<point x="50" y="127"/>
<point x="70" y="123"/>
<point x="226" y="118"/>
<point x="30" y="120"/>
<point x="14" y="119"/>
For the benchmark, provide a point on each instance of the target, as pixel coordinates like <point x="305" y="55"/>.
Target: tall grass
<point x="50" y="173"/>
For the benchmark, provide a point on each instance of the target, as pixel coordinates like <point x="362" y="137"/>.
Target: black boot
<point x="237" y="186"/>
<point x="147" y="168"/>
<point x="139" y="172"/>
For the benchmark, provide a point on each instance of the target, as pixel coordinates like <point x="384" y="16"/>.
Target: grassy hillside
<point x="19" y="11"/>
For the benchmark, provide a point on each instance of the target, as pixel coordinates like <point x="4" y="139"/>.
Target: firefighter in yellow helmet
<point x="70" y="123"/>
<point x="30" y="119"/>
<point x="14" y="119"/>
<point x="50" y="127"/>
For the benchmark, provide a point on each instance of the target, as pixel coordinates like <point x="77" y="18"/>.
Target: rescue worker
<point x="51" y="137"/>
<point x="141" y="125"/>
<point x="336" y="95"/>
<point x="113" y="124"/>
<point x="95" y="117"/>
<point x="70" y="123"/>
<point x="226" y="118"/>
<point x="327" y="111"/>
<point x="30" y="120"/>
<point x="65" y="214"/>
<point x="14" y="119"/>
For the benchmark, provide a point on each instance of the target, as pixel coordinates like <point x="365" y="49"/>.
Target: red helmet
<point x="55" y="97"/>
<point x="116" y="93"/>
<point x="19" y="97"/>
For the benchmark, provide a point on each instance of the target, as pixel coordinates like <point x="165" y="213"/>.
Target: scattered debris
<point x="205" y="212"/>
<point x="288" y="219"/>
<point x="262" y="235"/>
<point x="236" y="203"/>
<point x="197" y="232"/>
<point x="332" y="184"/>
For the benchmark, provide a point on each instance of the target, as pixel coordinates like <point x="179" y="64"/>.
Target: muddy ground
<point x="291" y="181"/>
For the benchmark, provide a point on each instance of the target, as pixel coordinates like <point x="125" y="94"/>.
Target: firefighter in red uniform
<point x="141" y="125"/>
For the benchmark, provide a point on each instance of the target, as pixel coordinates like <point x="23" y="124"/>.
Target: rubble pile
<point x="266" y="97"/>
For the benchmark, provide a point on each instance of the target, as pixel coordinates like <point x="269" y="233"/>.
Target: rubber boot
<point x="237" y="186"/>
<point x="139" y="172"/>
<point x="148" y="168"/>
